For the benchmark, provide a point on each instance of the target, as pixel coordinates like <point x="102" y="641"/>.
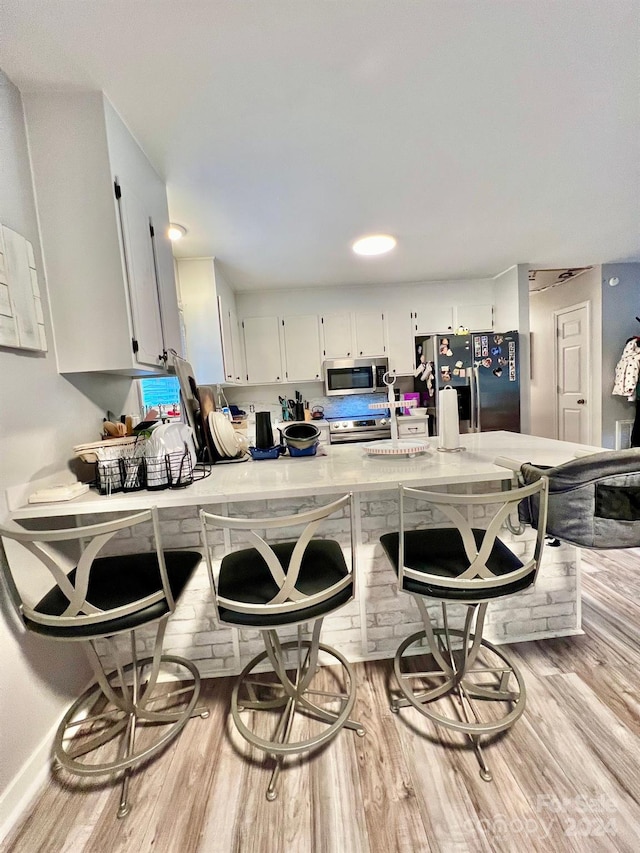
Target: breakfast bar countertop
<point x="343" y="468"/>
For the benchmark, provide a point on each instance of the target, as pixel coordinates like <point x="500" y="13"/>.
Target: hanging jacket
<point x="628" y="370"/>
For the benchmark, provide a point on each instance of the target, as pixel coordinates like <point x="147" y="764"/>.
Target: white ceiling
<point x="482" y="133"/>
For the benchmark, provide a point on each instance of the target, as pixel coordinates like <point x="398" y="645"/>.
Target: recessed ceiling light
<point x="374" y="244"/>
<point x="176" y="232"/>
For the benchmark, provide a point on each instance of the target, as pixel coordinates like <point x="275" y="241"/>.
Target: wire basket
<point x="109" y="476"/>
<point x="133" y="471"/>
<point x="169" y="471"/>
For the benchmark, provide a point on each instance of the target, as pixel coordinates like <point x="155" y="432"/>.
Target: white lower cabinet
<point x="263" y="356"/>
<point x="412" y="425"/>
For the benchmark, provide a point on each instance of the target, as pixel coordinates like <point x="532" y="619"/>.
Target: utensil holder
<point x="109" y="476"/>
<point x="133" y="474"/>
<point x="169" y="471"/>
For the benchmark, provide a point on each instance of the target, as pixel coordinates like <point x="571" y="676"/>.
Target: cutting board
<point x="206" y="395"/>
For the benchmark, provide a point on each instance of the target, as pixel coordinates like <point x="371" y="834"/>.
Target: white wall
<point x="583" y="288"/>
<point x="43" y="415"/>
<point x="383" y="297"/>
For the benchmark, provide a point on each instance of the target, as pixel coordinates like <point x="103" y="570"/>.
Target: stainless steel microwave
<point x="354" y="375"/>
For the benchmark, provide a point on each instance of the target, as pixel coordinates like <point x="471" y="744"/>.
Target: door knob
<point x="581" y="402"/>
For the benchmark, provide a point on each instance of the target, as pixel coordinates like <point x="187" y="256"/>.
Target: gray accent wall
<point x="620" y="307"/>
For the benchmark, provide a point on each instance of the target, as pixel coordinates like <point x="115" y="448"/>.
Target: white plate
<point x="173" y="437"/>
<point x="214" y="437"/>
<point x="224" y="434"/>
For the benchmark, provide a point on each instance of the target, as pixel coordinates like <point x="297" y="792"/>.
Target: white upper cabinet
<point x="434" y="316"/>
<point x="337" y="336"/>
<point x="301" y="348"/>
<point x="402" y="328"/>
<point x="370" y="336"/>
<point x="210" y="321"/>
<point x="476" y="318"/>
<point x="138" y="238"/>
<point x="263" y="357"/>
<point x="351" y="335"/>
<point x="108" y="259"/>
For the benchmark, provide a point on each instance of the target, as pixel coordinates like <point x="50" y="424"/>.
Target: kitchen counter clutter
<point x="371" y="626"/>
<point x="342" y="468"/>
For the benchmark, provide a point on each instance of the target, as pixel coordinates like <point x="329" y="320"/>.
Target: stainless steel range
<point x="343" y="430"/>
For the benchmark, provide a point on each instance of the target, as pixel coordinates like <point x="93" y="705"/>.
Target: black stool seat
<point x="440" y="552"/>
<point x="115" y="582"/>
<point x="245" y="576"/>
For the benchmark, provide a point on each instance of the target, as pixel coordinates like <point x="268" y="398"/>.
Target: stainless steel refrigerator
<point x="484" y="369"/>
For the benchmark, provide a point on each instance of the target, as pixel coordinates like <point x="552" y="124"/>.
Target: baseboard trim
<point x="27" y="785"/>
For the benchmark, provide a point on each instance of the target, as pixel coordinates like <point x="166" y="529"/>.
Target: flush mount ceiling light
<point x="176" y="232"/>
<point x="374" y="244"/>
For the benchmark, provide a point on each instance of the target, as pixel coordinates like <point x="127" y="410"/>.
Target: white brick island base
<point x="375" y="623"/>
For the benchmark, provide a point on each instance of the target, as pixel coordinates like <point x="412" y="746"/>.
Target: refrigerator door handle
<point x="475" y="400"/>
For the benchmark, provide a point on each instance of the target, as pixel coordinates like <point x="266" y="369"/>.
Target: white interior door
<point x="572" y="373"/>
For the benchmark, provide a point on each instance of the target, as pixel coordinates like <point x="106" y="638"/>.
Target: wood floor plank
<point x="182" y="800"/>
<point x="547" y="713"/>
<point x="391" y="808"/>
<point x="565" y="776"/>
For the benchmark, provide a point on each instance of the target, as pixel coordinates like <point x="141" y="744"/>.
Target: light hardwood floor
<point x="566" y="777"/>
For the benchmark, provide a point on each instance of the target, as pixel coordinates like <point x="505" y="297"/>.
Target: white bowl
<point x="419" y="412"/>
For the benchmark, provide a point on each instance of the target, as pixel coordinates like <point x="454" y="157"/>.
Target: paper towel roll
<point x="449" y="428"/>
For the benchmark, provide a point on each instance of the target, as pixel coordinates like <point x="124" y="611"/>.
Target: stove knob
<point x="382" y="421"/>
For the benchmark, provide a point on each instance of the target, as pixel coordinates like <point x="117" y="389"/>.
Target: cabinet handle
<point x="348" y="353"/>
<point x="278" y="378"/>
<point x="361" y="351"/>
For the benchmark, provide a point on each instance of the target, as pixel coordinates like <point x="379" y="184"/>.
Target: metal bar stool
<point x="129" y="715"/>
<point x="459" y="680"/>
<point x="272" y="586"/>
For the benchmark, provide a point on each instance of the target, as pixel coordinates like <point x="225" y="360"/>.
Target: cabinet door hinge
<point x="116" y="190"/>
<point x="134" y="345"/>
